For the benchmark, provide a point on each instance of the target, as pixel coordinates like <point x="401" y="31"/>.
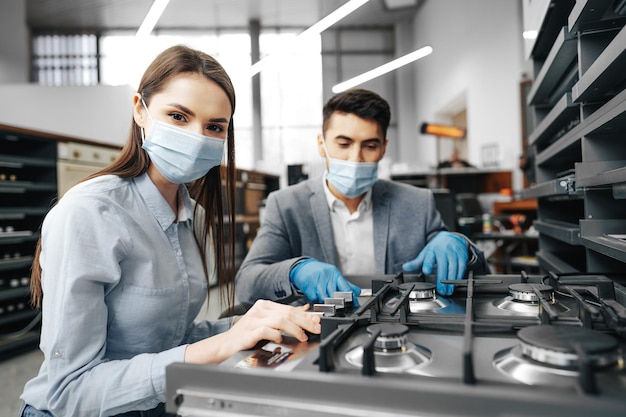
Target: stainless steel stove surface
<point x="502" y="345"/>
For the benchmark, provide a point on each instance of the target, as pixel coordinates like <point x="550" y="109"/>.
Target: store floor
<point x="16" y="371"/>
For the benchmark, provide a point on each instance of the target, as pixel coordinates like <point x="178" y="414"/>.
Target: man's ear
<point x="320" y="145"/>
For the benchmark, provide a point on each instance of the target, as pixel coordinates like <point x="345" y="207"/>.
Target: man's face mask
<point x="350" y="178"/>
<point x="181" y="156"/>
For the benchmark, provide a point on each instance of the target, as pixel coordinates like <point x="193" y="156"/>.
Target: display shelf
<point x="21" y="262"/>
<point x="552" y="262"/>
<point x="608" y="119"/>
<point x="593" y="14"/>
<point x="21" y="316"/>
<point x="580" y="154"/>
<point x="556" y="187"/>
<point x="14" y="293"/>
<point x="564" y="148"/>
<point x="6" y="239"/>
<point x="554" y="20"/>
<point x="594" y="174"/>
<point x="561" y="118"/>
<point x="28" y="188"/>
<point x="12" y="212"/>
<point x="606" y="71"/>
<point x="563" y="231"/>
<point x="21" y="187"/>
<point x="560" y="59"/>
<point x="599" y="235"/>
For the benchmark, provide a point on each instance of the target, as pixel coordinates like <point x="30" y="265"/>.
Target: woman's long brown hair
<point x="210" y="192"/>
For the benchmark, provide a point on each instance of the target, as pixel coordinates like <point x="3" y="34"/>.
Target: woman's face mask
<point x="181" y="156"/>
<point x="351" y="179"/>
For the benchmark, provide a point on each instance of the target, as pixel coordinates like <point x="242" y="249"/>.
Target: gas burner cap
<point x="559" y="345"/>
<point x="525" y="292"/>
<point x="392" y="335"/>
<point x="420" y="291"/>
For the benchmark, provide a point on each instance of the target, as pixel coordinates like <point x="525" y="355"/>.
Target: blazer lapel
<point x="323" y="225"/>
<point x="382" y="211"/>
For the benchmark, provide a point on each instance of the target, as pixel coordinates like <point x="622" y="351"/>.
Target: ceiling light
<point x="383" y="69"/>
<point x="155" y="12"/>
<point x="316" y="29"/>
<point x="530" y="34"/>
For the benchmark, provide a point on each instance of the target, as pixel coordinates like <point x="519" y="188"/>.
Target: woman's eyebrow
<point x="182" y="108"/>
<point x="191" y="113"/>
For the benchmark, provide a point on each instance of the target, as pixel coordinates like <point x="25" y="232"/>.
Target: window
<point x="65" y="59"/>
<point x="291" y="97"/>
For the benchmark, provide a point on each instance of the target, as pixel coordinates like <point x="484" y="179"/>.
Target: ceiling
<point x="97" y="15"/>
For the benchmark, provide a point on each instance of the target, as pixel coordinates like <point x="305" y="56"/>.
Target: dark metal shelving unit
<point x="28" y="187"/>
<point x="579" y="100"/>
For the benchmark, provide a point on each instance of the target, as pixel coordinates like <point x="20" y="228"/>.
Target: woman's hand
<point x="266" y="320"/>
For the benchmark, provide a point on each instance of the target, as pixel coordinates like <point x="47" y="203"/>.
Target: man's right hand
<point x="319" y="280"/>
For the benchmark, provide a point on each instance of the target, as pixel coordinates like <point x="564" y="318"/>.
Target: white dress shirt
<point x="353" y="234"/>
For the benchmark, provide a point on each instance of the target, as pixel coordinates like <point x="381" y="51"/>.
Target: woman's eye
<point x="178" y="117"/>
<point x="215" y="128"/>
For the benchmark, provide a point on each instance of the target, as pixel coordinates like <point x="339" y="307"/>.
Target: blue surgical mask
<point x="181" y="156"/>
<point x="351" y="178"/>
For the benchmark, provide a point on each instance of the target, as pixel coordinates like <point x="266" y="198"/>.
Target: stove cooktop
<point x="513" y="345"/>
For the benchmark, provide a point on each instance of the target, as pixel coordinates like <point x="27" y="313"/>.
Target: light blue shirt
<point x="123" y="283"/>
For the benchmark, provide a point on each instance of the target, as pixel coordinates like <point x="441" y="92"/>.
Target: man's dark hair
<point x="363" y="103"/>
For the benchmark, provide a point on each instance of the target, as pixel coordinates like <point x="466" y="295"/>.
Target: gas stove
<point x="504" y="345"/>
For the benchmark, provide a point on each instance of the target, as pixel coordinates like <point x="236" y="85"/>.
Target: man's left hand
<point x="449" y="253"/>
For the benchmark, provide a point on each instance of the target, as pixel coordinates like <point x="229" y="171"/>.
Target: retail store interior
<point x="506" y="110"/>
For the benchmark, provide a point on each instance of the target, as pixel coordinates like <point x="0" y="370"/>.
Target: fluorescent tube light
<point x="153" y="16"/>
<point x="334" y="17"/>
<point x="316" y="29"/>
<point x="383" y="69"/>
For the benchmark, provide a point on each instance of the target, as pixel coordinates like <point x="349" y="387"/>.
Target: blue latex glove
<point x="449" y="253"/>
<point x="319" y="280"/>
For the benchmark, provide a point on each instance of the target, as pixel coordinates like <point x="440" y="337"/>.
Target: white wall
<point x="99" y="113"/>
<point x="478" y="61"/>
<point x="13" y="42"/>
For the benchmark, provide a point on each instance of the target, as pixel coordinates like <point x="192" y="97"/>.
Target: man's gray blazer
<point x="297" y="224"/>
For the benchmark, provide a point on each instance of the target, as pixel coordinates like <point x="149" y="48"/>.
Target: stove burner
<point x="549" y="355"/>
<point x="421" y="298"/>
<point x="392" y="350"/>
<point x="524" y="301"/>
<point x="391" y="337"/>
<point x="420" y="291"/>
<point x="557" y="345"/>
<point x="525" y="292"/>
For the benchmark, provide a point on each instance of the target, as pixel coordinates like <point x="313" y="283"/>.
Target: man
<point x="348" y="221"/>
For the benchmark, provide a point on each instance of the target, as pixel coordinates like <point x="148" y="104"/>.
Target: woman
<point x="125" y="257"/>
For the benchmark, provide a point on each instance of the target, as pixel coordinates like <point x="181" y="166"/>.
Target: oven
<point x="79" y="160"/>
<point x="502" y="345"/>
